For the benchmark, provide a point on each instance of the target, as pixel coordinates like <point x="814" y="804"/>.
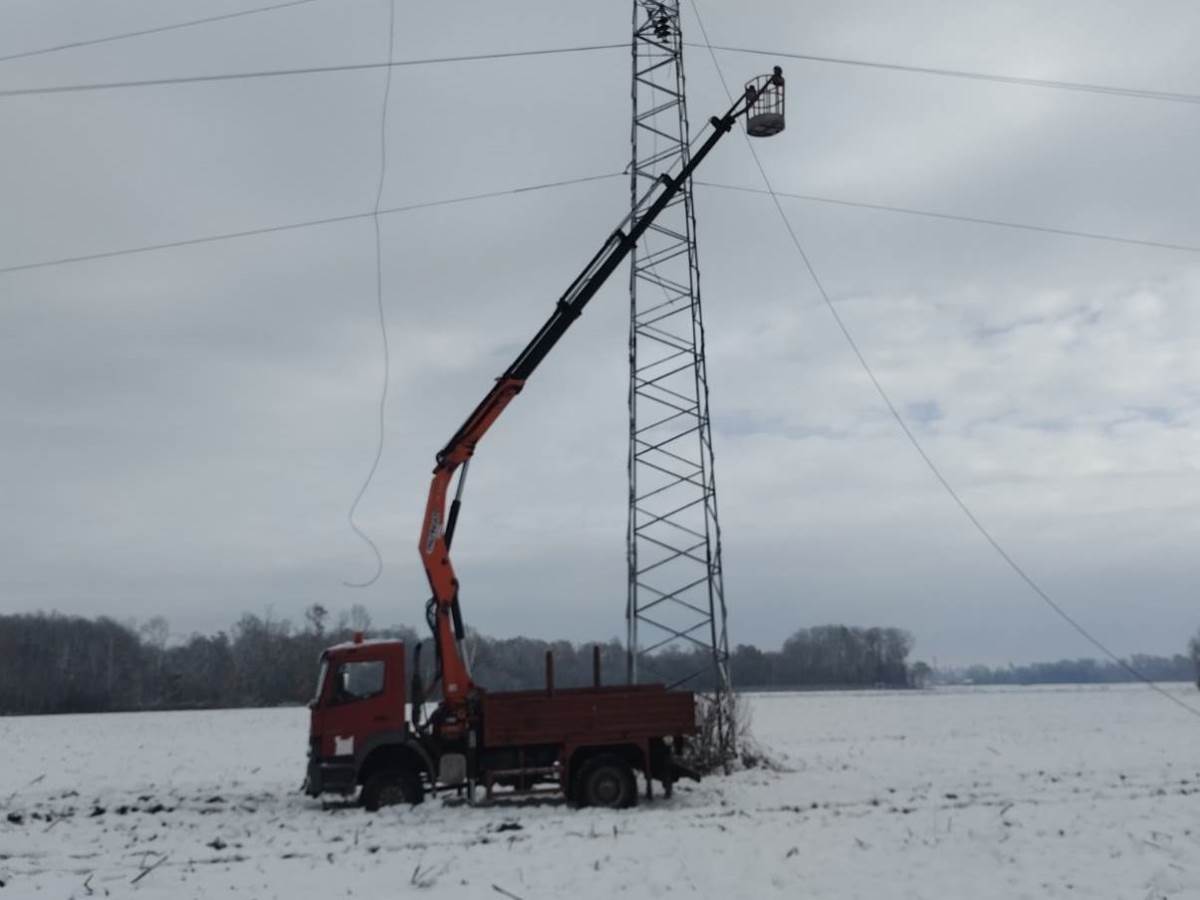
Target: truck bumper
<point x="329" y="777"/>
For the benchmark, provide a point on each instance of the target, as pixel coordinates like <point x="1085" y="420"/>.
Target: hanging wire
<point x="387" y="357"/>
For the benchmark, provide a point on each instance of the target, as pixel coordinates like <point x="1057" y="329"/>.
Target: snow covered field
<point x="974" y="793"/>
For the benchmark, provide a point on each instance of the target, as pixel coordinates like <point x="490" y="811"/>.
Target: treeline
<point x="829" y="656"/>
<point x="53" y="663"/>
<point x="60" y="664"/>
<point x="1077" y="671"/>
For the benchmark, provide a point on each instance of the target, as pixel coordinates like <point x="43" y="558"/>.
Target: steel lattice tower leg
<point x="676" y="596"/>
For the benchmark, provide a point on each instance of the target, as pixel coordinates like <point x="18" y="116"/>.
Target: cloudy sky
<point x="184" y="430"/>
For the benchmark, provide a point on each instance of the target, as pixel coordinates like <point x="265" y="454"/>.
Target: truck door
<point x="364" y="695"/>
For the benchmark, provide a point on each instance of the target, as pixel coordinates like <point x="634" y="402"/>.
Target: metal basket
<point x="764" y="115"/>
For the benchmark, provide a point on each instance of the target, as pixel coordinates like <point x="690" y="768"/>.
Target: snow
<point x="365" y="642"/>
<point x="1085" y="792"/>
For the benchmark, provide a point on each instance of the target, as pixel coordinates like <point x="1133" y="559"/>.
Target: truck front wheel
<point x="606" y="781"/>
<point x="390" y="787"/>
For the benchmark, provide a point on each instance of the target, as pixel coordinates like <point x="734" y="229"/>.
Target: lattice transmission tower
<point x="676" y="595"/>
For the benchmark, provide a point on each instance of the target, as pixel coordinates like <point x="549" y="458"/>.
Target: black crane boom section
<point x="588" y="282"/>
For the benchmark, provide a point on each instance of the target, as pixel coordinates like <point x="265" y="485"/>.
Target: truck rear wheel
<point x="606" y="781"/>
<point x="391" y="787"/>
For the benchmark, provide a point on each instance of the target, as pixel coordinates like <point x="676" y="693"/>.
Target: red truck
<point x="585" y="742"/>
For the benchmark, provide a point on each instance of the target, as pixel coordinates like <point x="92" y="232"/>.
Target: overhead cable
<point x="1137" y="93"/>
<point x="308" y="70"/>
<point x="158" y="30"/>
<point x="974" y="220"/>
<point x="309" y="223"/>
<point x="387" y="355"/>
<point x="1112" y="90"/>
<point x="1007" y="557"/>
<point x="291" y="226"/>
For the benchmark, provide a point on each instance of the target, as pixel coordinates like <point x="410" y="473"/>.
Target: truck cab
<point x="586" y="744"/>
<point x="357" y="719"/>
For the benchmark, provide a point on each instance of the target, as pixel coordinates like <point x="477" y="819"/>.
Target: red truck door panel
<point x="363" y="694"/>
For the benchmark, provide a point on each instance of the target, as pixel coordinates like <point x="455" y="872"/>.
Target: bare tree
<point x="316" y="616"/>
<point x="155" y="632"/>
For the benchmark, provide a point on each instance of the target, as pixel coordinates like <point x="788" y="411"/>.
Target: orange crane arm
<point x="437" y="532"/>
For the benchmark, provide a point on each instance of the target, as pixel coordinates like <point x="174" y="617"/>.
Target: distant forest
<point x="1077" y="671"/>
<point x="58" y="664"/>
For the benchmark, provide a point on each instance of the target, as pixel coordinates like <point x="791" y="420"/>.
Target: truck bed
<point x="586" y="715"/>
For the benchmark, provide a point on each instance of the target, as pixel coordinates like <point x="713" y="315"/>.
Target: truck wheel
<point x="606" y="781"/>
<point x="390" y="787"/>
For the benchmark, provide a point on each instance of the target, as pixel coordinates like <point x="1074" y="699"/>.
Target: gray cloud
<point x="184" y="430"/>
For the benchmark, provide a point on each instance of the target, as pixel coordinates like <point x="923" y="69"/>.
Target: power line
<point x="232" y="235"/>
<point x="1113" y="90"/>
<point x="310" y="70"/>
<point x="291" y="226"/>
<point x="911" y="436"/>
<point x="974" y="220"/>
<point x="387" y="355"/>
<point x="158" y="30"/>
